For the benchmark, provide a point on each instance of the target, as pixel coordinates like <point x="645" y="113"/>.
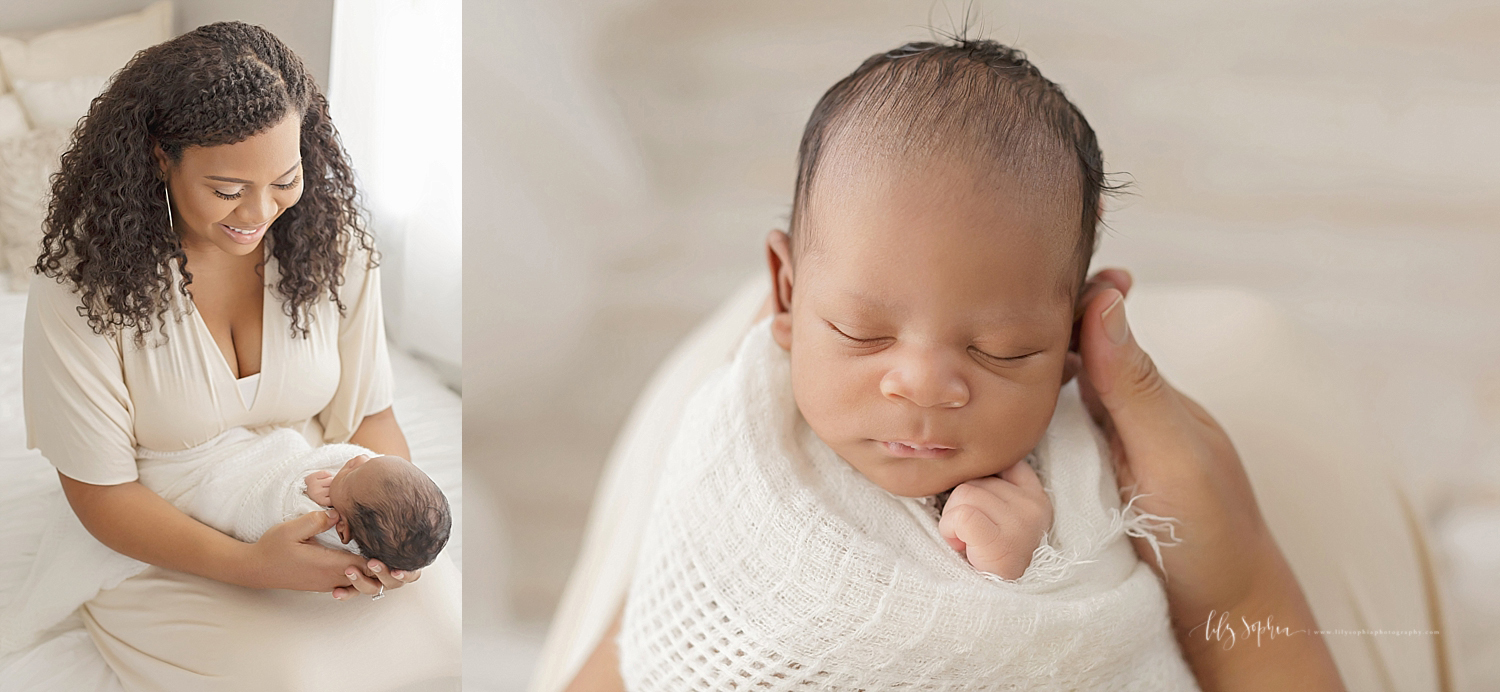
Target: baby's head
<point x="945" y="212"/>
<point x="396" y="513"/>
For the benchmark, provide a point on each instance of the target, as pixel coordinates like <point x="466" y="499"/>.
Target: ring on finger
<point x="380" y="594"/>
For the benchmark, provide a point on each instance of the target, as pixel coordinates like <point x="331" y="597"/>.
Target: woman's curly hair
<point x="108" y="229"/>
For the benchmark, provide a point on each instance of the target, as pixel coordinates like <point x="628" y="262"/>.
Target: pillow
<point x="26" y="163"/>
<point x="92" y="49"/>
<point x="58" y="103"/>
<point x="12" y="124"/>
<point x="12" y="118"/>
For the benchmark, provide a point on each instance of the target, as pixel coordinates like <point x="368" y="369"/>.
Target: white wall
<point x="306" y="26"/>
<point x="396" y="95"/>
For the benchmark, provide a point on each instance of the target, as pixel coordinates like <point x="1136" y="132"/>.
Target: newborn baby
<point x="924" y="299"/>
<point x="940" y="235"/>
<point x="393" y="511"/>
<point x="244" y="482"/>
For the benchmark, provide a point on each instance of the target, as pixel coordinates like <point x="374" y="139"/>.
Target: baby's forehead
<point x="875" y="218"/>
<point x="381" y="472"/>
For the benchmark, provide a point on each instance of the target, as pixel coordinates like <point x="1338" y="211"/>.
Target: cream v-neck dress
<point x="92" y="400"/>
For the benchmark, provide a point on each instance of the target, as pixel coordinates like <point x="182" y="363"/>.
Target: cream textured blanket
<point x="771" y="564"/>
<point x="241" y="483"/>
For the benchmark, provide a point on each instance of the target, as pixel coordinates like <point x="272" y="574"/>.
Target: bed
<point x="66" y="660"/>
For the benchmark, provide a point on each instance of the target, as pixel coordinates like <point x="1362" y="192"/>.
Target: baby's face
<point x="358" y="480"/>
<point x="928" y="324"/>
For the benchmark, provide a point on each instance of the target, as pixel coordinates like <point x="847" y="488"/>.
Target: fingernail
<point x="1115" y="326"/>
<point x="398" y="574"/>
<point x="350" y="575"/>
<point x="374" y="567"/>
<point x="333" y="514"/>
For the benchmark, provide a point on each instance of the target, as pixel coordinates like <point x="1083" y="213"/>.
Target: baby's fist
<point x="319" y="487"/>
<point x="997" y="522"/>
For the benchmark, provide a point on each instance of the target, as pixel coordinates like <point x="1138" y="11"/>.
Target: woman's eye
<point x="295" y="182"/>
<point x="226" y="195"/>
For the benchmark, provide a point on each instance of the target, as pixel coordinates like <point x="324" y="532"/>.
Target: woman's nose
<point x="926" y="379"/>
<point x="259" y="207"/>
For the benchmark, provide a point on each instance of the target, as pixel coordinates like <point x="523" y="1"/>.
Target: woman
<point x="210" y="270"/>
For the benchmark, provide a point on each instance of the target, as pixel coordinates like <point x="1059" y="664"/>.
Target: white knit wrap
<point x="771" y="564"/>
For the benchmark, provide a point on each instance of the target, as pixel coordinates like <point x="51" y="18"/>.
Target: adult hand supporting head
<point x="287" y="558"/>
<point x="1166" y="447"/>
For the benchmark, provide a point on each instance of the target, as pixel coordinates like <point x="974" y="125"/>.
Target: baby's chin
<point x="916" y="477"/>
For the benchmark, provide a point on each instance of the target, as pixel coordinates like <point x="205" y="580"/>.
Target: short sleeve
<point x="364" y="361"/>
<point x="78" y="410"/>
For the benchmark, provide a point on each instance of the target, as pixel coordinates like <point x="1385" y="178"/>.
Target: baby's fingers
<point x="967" y="525"/>
<point x="1024" y="477"/>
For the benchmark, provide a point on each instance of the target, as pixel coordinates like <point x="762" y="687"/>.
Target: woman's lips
<point x="906" y="449"/>
<point x="238" y="234"/>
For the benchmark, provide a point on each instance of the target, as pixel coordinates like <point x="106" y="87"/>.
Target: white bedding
<point x="66" y="660"/>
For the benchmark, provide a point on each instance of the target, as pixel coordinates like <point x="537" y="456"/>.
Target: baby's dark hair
<point x="970" y="98"/>
<point x="404" y="525"/>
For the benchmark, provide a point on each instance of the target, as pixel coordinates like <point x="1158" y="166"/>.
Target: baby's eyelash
<point x="1003" y="359"/>
<point x="841" y="333"/>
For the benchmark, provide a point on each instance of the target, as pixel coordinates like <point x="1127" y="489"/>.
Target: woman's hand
<point x="1166" y="447"/>
<point x="286" y="557"/>
<point x="383" y="579"/>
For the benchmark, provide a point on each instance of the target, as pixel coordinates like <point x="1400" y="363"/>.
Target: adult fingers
<point x="392" y="579"/>
<point x="313" y="523"/>
<point x="407" y="577"/>
<point x="362" y="582"/>
<point x="1104" y="279"/>
<point x="1142" y="407"/>
<point x="1118" y="279"/>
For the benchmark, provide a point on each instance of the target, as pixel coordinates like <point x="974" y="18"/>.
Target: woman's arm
<point x="380" y="433"/>
<point x="1287" y="658"/>
<point x="1226" y="565"/>
<point x="601" y="671"/>
<point x="134" y="521"/>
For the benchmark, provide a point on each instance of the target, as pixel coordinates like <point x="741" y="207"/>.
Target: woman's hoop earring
<point x="165" y="191"/>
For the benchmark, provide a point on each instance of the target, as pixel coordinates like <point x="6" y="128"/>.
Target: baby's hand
<point x="319" y="485"/>
<point x="997" y="522"/>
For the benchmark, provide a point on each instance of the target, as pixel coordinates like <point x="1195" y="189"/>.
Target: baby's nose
<point x="926" y="380"/>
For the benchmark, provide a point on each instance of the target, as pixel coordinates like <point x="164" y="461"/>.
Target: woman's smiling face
<point x="225" y="197"/>
<point x="930" y="316"/>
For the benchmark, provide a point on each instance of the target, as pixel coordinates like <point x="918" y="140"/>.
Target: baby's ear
<point x="343" y="528"/>
<point x="779" y="259"/>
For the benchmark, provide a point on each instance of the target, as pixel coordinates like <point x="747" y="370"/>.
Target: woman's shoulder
<point x="53" y="294"/>
<point x="361" y="258"/>
<point x="54" y="305"/>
